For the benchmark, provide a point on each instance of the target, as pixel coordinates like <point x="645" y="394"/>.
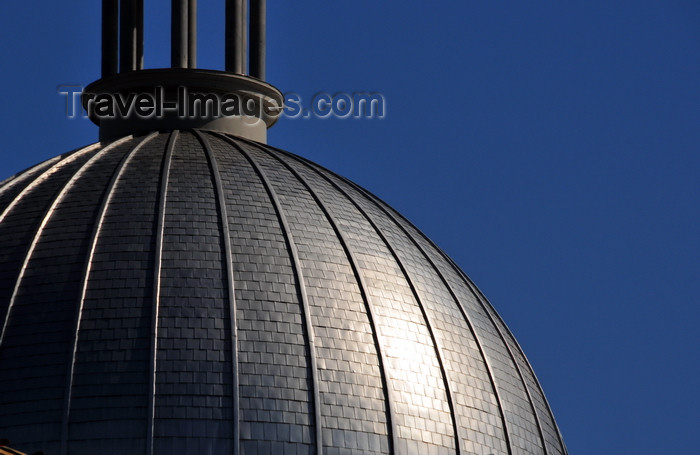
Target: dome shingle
<point x="187" y="292"/>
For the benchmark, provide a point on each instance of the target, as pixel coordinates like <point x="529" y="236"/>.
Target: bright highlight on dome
<point x="183" y="288"/>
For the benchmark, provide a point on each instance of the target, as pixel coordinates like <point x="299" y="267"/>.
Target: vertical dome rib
<point x="193" y="399"/>
<point x="179" y="288"/>
<point x="109" y="404"/>
<point x="488" y="311"/>
<point x="157" y="270"/>
<point x="371" y="312"/>
<point x="436" y="343"/>
<point x="477" y="294"/>
<point x="61" y="234"/>
<point x="228" y="253"/>
<point x="58" y="162"/>
<point x="467" y="320"/>
<point x="88" y="263"/>
<point x="401" y="330"/>
<point x="530" y="370"/>
<point x="549" y="437"/>
<point x="196" y="292"/>
<point x="11" y="180"/>
<point x="15" y="180"/>
<point x="322" y="172"/>
<point x="302" y="291"/>
<point x="45" y="219"/>
<point x="276" y="402"/>
<point x="21" y="218"/>
<point x="457" y="300"/>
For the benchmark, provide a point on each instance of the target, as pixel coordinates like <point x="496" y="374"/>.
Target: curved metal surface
<point x="525" y="359"/>
<point x="88" y="263"/>
<point x="437" y="346"/>
<point x="390" y="399"/>
<point x="477" y="340"/>
<point x="478" y="297"/>
<point x="333" y="279"/>
<point x="163" y="192"/>
<point x="456" y="299"/>
<point x="302" y="290"/>
<point x="228" y="252"/>
<point x="513" y="359"/>
<point x="18" y="178"/>
<point x="45" y="219"/>
<point x="39" y="179"/>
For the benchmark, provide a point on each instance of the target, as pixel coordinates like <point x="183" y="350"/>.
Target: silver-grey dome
<point x="198" y="293"/>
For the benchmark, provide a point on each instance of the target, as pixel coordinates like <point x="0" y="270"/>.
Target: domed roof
<point x="194" y="292"/>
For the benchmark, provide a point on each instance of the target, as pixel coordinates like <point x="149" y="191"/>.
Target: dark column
<point x="235" y="36"/>
<point x="139" y="34"/>
<point x="128" y="35"/>
<point x="257" y="38"/>
<point x="110" y="37"/>
<point x="192" y="34"/>
<point x="179" y="34"/>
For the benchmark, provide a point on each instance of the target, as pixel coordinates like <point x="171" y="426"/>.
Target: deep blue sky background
<point x="551" y="148"/>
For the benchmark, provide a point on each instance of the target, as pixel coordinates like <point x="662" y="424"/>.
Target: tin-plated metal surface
<point x="294" y="256"/>
<point x="228" y="254"/>
<point x="155" y="305"/>
<point x="88" y="264"/>
<point x="203" y="293"/>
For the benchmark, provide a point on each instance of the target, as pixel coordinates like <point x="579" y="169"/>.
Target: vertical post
<point x="139" y="34"/>
<point x="110" y="37"/>
<point x="128" y="35"/>
<point x="179" y="34"/>
<point x="236" y="36"/>
<point x="243" y="26"/>
<point x="192" y="34"/>
<point x="257" y="38"/>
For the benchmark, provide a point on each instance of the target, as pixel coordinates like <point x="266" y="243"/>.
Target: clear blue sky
<point x="551" y="148"/>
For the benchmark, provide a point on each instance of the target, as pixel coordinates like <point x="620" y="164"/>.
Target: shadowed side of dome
<point x="193" y="292"/>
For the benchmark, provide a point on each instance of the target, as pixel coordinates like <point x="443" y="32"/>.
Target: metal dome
<point x="194" y="292"/>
